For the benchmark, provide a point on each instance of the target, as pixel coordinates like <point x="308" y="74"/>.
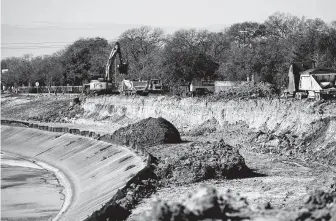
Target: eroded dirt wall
<point x="275" y="115"/>
<point x="301" y="125"/>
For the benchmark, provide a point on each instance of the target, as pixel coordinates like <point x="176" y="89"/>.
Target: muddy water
<point x="28" y="192"/>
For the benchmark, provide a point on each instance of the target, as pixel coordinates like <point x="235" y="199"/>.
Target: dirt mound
<point x="319" y="205"/>
<point x="205" y="203"/>
<point x="207" y="127"/>
<point x="320" y="199"/>
<point x="147" y="132"/>
<point x="201" y="161"/>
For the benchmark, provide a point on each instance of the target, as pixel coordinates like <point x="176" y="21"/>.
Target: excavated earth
<point x="302" y="128"/>
<point x="206" y="204"/>
<point x="200" y="161"/>
<point x="288" y="146"/>
<point x="147" y="132"/>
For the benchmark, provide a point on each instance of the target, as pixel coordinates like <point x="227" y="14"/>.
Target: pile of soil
<point x="207" y="127"/>
<point x="206" y="204"/>
<point x="201" y="161"/>
<point x="147" y="132"/>
<point x="319" y="205"/>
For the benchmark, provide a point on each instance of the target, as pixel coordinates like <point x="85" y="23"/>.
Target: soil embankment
<point x="187" y="113"/>
<point x="301" y="128"/>
<point x="295" y="128"/>
<point x="95" y="168"/>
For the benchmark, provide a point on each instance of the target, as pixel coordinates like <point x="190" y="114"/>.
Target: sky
<point x="45" y="26"/>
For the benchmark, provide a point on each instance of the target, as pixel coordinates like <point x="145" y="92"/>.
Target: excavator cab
<point x="122" y="68"/>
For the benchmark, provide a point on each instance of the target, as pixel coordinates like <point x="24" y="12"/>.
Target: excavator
<point x="108" y="84"/>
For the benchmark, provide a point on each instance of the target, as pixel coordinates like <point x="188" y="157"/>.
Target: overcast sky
<point x="45" y="26"/>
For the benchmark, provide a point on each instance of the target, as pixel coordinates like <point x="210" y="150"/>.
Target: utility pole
<point x="243" y="31"/>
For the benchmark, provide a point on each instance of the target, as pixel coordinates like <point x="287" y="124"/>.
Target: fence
<point x="51" y="89"/>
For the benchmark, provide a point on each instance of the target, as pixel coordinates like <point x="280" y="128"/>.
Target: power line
<point x="41" y="44"/>
<point x="46" y="46"/>
<point x="32" y="43"/>
<point x="35" y="45"/>
<point x="105" y="27"/>
<point x="56" y="42"/>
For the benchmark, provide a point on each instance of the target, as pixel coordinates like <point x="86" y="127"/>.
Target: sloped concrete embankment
<point x="282" y="124"/>
<point x="96" y="169"/>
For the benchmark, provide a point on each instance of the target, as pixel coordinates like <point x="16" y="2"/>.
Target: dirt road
<point x="283" y="183"/>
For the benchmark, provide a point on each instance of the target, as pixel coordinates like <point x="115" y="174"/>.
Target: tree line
<point x="248" y="50"/>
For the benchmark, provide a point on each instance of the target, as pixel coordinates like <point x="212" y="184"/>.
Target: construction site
<point x="195" y="125"/>
<point x="256" y="159"/>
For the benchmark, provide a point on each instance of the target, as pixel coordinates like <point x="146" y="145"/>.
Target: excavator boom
<point x="108" y="84"/>
<point x="122" y="67"/>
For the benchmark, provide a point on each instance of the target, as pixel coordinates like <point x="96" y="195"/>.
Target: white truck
<point x="305" y="80"/>
<point x="317" y="83"/>
<point x="130" y="87"/>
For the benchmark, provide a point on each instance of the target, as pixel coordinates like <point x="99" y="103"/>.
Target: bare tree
<point x="142" y="47"/>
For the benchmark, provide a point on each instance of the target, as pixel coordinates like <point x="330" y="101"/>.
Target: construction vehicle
<point x="202" y="83"/>
<point x="130" y="87"/>
<point x="306" y="80"/>
<point x="108" y="84"/>
<point x="155" y="86"/>
<point x="180" y="90"/>
<point x="200" y="87"/>
<point x="201" y="92"/>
